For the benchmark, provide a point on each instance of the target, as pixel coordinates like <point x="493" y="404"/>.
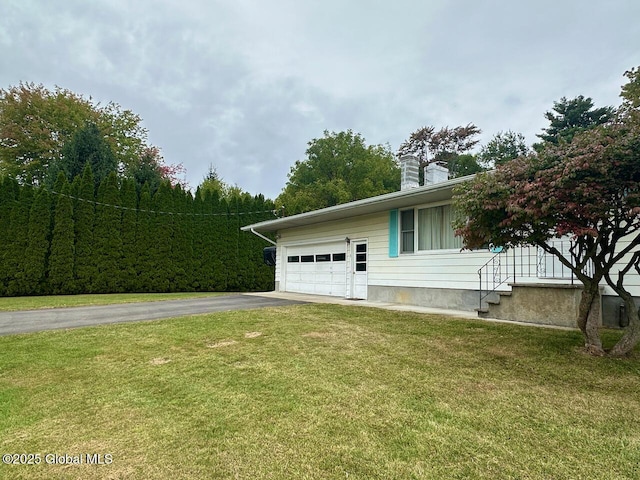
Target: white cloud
<point x="246" y="84"/>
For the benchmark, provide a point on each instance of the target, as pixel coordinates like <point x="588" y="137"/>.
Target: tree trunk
<point x="631" y="335"/>
<point x="588" y="324"/>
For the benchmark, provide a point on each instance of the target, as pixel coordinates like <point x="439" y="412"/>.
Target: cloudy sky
<point x="244" y="85"/>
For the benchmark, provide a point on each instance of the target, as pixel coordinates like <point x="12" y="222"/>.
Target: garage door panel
<point x="316" y="269"/>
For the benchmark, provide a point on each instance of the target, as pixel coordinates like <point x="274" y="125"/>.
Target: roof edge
<point x="307" y="217"/>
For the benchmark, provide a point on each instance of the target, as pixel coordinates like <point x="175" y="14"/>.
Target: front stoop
<point x="542" y="303"/>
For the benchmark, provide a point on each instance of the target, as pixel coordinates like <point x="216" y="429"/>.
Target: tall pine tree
<point x="88" y="145"/>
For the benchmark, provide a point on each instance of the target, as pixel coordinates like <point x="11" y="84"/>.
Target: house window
<point x="407" y="231"/>
<point x="434" y="229"/>
<point x="361" y="257"/>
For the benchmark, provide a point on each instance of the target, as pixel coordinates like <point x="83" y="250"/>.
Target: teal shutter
<point x="393" y="233"/>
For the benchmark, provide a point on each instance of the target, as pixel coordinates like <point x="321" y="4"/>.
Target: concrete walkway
<point x="301" y="297"/>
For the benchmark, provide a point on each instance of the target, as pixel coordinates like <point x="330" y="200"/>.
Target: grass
<point x="59" y="301"/>
<point x="319" y="391"/>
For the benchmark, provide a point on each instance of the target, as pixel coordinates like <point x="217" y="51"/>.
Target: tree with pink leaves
<point x="588" y="190"/>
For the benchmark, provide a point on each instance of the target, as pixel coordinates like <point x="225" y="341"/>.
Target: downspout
<point x="263" y="237"/>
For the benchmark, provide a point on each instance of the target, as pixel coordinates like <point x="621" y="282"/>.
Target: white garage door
<point x="319" y="269"/>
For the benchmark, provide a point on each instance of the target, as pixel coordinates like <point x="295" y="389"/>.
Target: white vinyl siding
<point x="434" y="269"/>
<point x="449" y="268"/>
<point x="631" y="279"/>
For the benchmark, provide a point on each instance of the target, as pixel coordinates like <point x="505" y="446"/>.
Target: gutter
<point x="263" y="237"/>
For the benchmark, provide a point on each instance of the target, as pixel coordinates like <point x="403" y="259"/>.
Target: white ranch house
<point x="400" y="248"/>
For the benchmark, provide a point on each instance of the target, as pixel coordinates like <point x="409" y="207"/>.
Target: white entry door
<point x="359" y="267"/>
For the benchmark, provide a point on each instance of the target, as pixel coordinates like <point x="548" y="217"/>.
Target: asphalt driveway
<point x="56" y="318"/>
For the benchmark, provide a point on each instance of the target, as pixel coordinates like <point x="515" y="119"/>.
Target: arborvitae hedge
<point x="84" y="214"/>
<point x="61" y="256"/>
<point x="16" y="244"/>
<point x="73" y="239"/>
<point x="39" y="238"/>
<point x="129" y="201"/>
<point x="107" y="240"/>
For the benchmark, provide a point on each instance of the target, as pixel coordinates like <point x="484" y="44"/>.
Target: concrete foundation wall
<point x="546" y="304"/>
<point x="425" y="297"/>
<point x="611" y="312"/>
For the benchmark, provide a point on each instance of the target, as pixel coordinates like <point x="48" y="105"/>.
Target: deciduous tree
<point x="35" y="123"/>
<point x="444" y="146"/>
<point x="339" y="168"/>
<point x="589" y="190"/>
<point x="504" y="146"/>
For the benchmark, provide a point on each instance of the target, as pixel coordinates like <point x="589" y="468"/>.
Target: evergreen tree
<point x="263" y="274"/>
<point x="228" y="240"/>
<point x="145" y="263"/>
<point x="88" y="145"/>
<point x="162" y="229"/>
<point x="205" y="242"/>
<point x="199" y="238"/>
<point x="571" y="116"/>
<point x="245" y="277"/>
<point x="181" y="242"/>
<point x="37" y="252"/>
<point x="219" y="266"/>
<point x="8" y="199"/>
<point x="128" y="235"/>
<point x="255" y="275"/>
<point x="106" y="238"/>
<point x="76" y="188"/>
<point x="61" y="258"/>
<point x="17" y="242"/>
<point x="84" y="215"/>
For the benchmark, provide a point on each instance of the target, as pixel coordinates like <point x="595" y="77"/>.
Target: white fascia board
<point x="389" y="201"/>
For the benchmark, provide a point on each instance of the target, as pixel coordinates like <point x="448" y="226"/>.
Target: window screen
<point x="407" y="231"/>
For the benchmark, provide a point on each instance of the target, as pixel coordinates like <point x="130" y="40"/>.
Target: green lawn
<point x="319" y="391"/>
<point x="58" y="301"/>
